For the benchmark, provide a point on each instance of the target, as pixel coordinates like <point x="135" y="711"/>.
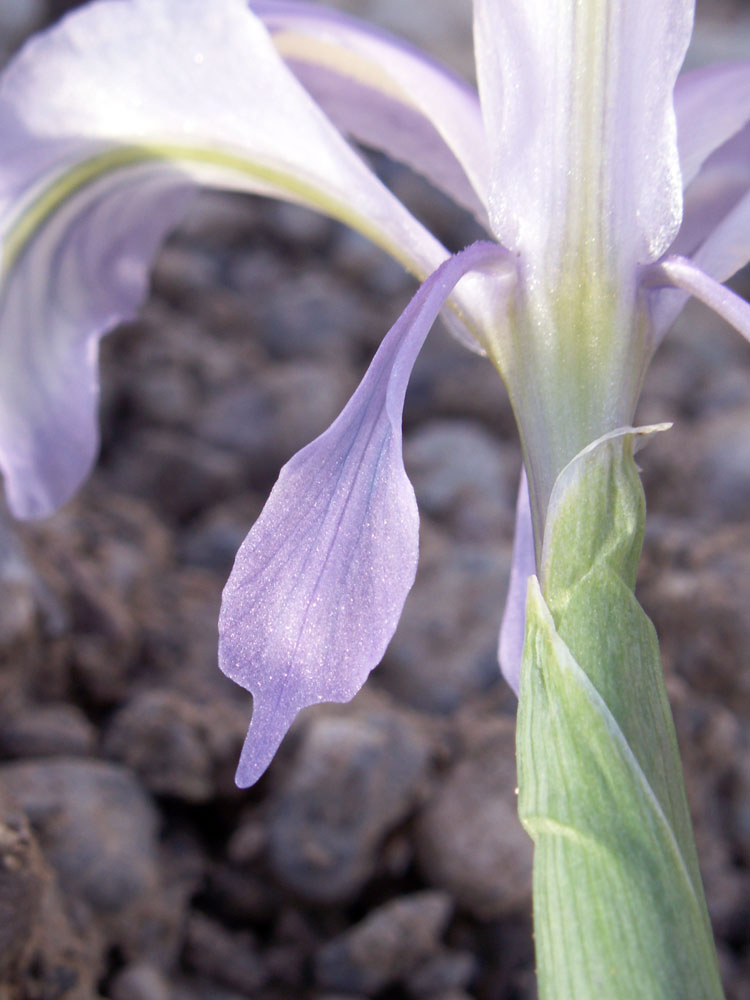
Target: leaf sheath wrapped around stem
<point x="619" y="910"/>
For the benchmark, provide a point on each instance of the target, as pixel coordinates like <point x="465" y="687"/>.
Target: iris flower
<point x="610" y="191"/>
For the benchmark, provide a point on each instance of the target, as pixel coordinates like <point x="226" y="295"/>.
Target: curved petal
<point x="88" y="273"/>
<point x="716" y="229"/>
<point x="387" y="95"/>
<point x="718" y="188"/>
<point x="711" y="104"/>
<point x="319" y="583"/>
<point x="687" y="276"/>
<point x="95" y="108"/>
<point x="513" y="627"/>
<point x="577" y="101"/>
<point x="201" y="85"/>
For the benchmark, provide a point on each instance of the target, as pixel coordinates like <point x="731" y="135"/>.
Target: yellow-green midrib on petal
<point x="229" y="170"/>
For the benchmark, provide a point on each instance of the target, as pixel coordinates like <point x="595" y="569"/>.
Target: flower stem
<point x="619" y="910"/>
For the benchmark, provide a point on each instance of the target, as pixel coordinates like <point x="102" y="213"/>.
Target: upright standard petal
<point x="387" y="95"/>
<point x="577" y="101"/>
<point x="99" y="106"/>
<point x="319" y="583"/>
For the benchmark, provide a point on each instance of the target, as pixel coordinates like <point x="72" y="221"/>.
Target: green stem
<point x="619" y="910"/>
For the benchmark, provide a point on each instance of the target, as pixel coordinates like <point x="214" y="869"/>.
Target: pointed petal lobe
<point x="318" y="585"/>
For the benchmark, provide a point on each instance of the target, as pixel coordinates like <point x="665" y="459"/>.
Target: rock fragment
<point x="386" y="946"/>
<point x="355" y="777"/>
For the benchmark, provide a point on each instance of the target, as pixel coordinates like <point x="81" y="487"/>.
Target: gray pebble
<point x="464" y="478"/>
<point x="469" y="839"/>
<point x="22" y="878"/>
<point x="45" y="731"/>
<point x="355" y="777"/>
<point x="447" y="970"/>
<point x="140" y="981"/>
<point x="314" y="316"/>
<point x="266" y="423"/>
<point x="445" y="648"/>
<point x="96" y="826"/>
<point x="157" y="460"/>
<point x="386" y="946"/>
<point x="228" y="959"/>
<point x="723" y="467"/>
<point x="162" y="736"/>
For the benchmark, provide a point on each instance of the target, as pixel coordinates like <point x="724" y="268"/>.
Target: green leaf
<point x="618" y="902"/>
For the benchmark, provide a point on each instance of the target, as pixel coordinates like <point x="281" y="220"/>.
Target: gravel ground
<point x="381" y="856"/>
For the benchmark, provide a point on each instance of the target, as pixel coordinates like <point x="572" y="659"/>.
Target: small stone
<point x="315" y="317"/>
<point x="164" y="738"/>
<point x="694" y="586"/>
<point x="445" y="647"/>
<point x="464" y="478"/>
<point x="299" y="224"/>
<point x="339" y="996"/>
<point x="140" y="981"/>
<point x="45" y="731"/>
<point x="228" y="959"/>
<point x="386" y="946"/>
<point x="355" y="777"/>
<point x="96" y="827"/>
<point x="267" y="422"/>
<point x="22" y="879"/>
<point x="41" y="956"/>
<point x="445" y="971"/>
<point x="469" y="840"/>
<point x="723" y="466"/>
<point x="157" y="460"/>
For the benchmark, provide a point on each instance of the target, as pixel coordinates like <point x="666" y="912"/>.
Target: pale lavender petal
<point x="513" y="627"/>
<point x="725" y="251"/>
<point x="577" y="101"/>
<point x="106" y="121"/>
<point x="712" y="104"/>
<point x="685" y="275"/>
<point x="319" y="583"/>
<point x="202" y="84"/>
<point x="387" y="95"/>
<point x="722" y="182"/>
<point x="89" y="272"/>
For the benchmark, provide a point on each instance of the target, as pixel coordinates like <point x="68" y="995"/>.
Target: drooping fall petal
<point x="88" y="273"/>
<point x="318" y="585"/>
<point x="105" y="120"/>
<point x="383" y="93"/>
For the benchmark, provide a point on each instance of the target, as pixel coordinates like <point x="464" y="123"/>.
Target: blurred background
<point x="381" y="856"/>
